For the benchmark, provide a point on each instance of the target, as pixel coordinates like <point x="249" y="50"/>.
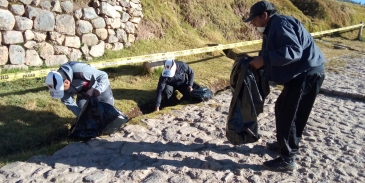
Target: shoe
<point x="274" y="146"/>
<point x="280" y="165"/>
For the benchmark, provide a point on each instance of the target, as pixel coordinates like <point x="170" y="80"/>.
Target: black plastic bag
<point x="249" y="89"/>
<point x="94" y="116"/>
<point x="200" y="93"/>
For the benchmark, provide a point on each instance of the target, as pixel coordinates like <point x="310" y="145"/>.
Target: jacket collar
<point x="269" y="23"/>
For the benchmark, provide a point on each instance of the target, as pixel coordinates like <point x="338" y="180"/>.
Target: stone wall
<point x="52" y="32"/>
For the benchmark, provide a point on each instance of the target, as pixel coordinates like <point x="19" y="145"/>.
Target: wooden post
<point x="360" y="32"/>
<point x="151" y="66"/>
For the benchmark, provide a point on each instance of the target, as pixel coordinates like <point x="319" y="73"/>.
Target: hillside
<point x="185" y="24"/>
<point x="216" y="21"/>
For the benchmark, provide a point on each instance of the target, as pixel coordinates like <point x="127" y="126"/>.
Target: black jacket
<point x="289" y="50"/>
<point x="249" y="89"/>
<point x="184" y="75"/>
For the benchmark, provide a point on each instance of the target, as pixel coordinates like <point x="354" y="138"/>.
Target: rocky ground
<point x="189" y="145"/>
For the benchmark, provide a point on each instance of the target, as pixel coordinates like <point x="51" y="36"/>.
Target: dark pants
<point x="169" y="97"/>
<point x="106" y="97"/>
<point x="292" y="110"/>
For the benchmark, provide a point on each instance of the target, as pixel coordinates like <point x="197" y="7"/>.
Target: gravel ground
<point x="189" y="145"/>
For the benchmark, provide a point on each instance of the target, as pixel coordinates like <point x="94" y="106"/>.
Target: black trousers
<point x="169" y="97"/>
<point x="292" y="110"/>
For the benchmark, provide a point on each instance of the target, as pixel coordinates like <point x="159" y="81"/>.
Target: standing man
<point x="291" y="58"/>
<point x="175" y="76"/>
<point x="82" y="80"/>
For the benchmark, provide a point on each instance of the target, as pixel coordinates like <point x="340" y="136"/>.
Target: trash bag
<point x="249" y="89"/>
<point x="200" y="93"/>
<point x="94" y="116"/>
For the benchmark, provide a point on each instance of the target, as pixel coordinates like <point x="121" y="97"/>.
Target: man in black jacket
<point x="291" y="58"/>
<point x="175" y="76"/>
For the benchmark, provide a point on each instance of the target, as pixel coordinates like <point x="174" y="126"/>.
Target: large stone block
<point x="122" y="36"/>
<point x="40" y="36"/>
<point x="112" y="39"/>
<point x="102" y="33"/>
<point x="89" y="39"/>
<point x="31" y="45"/>
<point x="32" y="58"/>
<point x="129" y="27"/>
<point x="12" y="37"/>
<point x="97" y="50"/>
<point x="72" y="41"/>
<point x="85" y="50"/>
<point x="74" y="54"/>
<point x="83" y="27"/>
<point x="65" y="24"/>
<point x="113" y="22"/>
<point x="67" y="6"/>
<point x="16" y="54"/>
<point x="23" y="23"/>
<point x="56" y="38"/>
<point x="56" y="60"/>
<point x="4" y="4"/>
<point x="17" y="9"/>
<point x="89" y="13"/>
<point x="32" y="12"/>
<point x="108" y="10"/>
<point x="98" y="23"/>
<point x="7" y="20"/>
<point x="28" y="35"/>
<point x="125" y="17"/>
<point x="45" y="50"/>
<point x="45" y="21"/>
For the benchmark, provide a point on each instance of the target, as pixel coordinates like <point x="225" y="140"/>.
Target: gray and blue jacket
<point x="82" y="77"/>
<point x="289" y="51"/>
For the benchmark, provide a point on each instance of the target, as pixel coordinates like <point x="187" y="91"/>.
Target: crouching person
<point x="176" y="75"/>
<point x="82" y="80"/>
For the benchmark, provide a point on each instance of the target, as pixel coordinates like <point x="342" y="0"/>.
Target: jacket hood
<point x="66" y="68"/>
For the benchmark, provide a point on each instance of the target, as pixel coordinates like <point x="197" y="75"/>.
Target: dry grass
<point x="349" y="39"/>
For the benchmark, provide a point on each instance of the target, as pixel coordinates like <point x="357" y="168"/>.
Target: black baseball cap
<point x="259" y="8"/>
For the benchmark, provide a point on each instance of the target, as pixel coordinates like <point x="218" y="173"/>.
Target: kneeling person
<point x="175" y="76"/>
<point x="82" y="80"/>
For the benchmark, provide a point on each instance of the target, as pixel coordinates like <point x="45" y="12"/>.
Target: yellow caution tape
<point x="25" y="75"/>
<point x="337" y="30"/>
<point x="163" y="56"/>
<point x="152" y="57"/>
